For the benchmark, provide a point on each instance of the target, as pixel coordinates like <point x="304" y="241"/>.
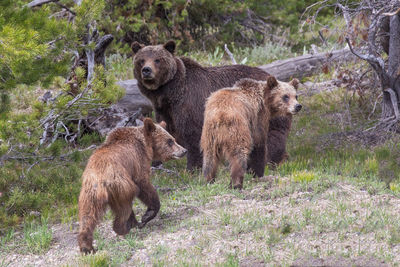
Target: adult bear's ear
<point x="163" y="124"/>
<point x="170" y="46"/>
<point x="295" y="83"/>
<point x="149" y="126"/>
<point x="136" y="47"/>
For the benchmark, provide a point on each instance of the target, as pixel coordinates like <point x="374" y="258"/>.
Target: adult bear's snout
<point x="146" y="72"/>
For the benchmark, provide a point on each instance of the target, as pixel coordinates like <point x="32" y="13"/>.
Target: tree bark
<point x="389" y="100"/>
<point x="384" y="30"/>
<point x="394" y="52"/>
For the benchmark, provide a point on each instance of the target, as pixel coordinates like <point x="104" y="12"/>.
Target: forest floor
<point x="327" y="206"/>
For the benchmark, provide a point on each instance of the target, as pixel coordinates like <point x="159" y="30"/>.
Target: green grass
<point x="304" y="176"/>
<point x="120" y="66"/>
<point x="97" y="260"/>
<point x="118" y="251"/>
<point x="37" y="237"/>
<point x="28" y="188"/>
<point x="231" y="260"/>
<point x="7" y="238"/>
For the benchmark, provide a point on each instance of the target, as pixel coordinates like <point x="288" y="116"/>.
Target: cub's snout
<point x="179" y="152"/>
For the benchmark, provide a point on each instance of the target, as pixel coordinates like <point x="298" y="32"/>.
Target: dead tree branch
<point x="377" y="63"/>
<point x="36" y="3"/>
<point x="230" y="54"/>
<point x="53" y="118"/>
<point x="38" y="158"/>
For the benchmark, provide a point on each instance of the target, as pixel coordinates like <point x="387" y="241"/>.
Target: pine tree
<point x="31" y="47"/>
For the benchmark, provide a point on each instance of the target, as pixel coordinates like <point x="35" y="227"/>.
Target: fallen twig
<point x="133" y="118"/>
<point x="161" y="168"/>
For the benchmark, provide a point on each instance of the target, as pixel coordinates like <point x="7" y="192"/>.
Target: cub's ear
<point x="272" y="82"/>
<point x="295" y="83"/>
<point x="136" y="47"/>
<point x="163" y="124"/>
<point x="170" y="46"/>
<point x="149" y="126"/>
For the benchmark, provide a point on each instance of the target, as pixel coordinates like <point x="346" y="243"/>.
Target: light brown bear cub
<point x="237" y="120"/>
<point x="119" y="171"/>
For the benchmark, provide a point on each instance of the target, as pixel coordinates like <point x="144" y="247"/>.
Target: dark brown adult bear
<point x="237" y="119"/>
<point x="119" y="171"/>
<point x="178" y="88"/>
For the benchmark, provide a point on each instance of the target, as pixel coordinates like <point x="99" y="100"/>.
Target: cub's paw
<point x="87" y="250"/>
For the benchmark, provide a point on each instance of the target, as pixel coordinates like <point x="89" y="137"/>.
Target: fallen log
<point x="306" y="65"/>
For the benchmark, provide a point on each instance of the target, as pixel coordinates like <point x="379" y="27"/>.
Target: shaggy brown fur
<point x="119" y="171"/>
<point x="237" y="119"/>
<point x="178" y="88"/>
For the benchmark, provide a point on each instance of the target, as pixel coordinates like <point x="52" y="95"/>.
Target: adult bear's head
<point x="155" y="65"/>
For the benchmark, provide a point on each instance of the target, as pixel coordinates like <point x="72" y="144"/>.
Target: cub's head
<point x="154" y="65"/>
<point x="282" y="98"/>
<point x="163" y="144"/>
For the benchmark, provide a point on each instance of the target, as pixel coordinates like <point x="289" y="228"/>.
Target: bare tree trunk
<point x="390" y="100"/>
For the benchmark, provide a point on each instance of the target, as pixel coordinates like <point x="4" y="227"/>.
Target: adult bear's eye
<point x="157" y="61"/>
<point x="170" y="142"/>
<point x="296" y="97"/>
<point x="285" y="98"/>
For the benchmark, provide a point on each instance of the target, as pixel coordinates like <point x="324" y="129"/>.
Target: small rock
<point x="34" y="213"/>
<point x="46" y="97"/>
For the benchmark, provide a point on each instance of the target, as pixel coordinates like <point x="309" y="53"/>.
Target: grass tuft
<point x="100" y="259"/>
<point x="231" y="260"/>
<point x="304" y="176"/>
<point x="37" y="237"/>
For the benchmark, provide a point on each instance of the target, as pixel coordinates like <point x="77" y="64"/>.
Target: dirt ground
<point x="266" y="225"/>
